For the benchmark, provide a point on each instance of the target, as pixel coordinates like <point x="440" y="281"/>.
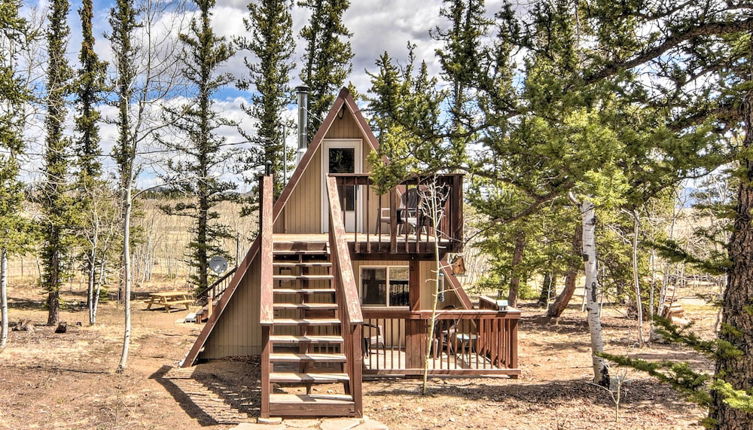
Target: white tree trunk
<point x="127" y="201"/>
<point x="432" y="198"/>
<point x="588" y="217"/>
<point x="636" y="277"/>
<point x="433" y="319"/>
<point x="4" y="298"/>
<point x="92" y="281"/>
<point x="98" y="289"/>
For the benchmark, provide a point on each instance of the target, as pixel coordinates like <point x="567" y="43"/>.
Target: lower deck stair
<point x="318" y="405"/>
<point x="305" y="339"/>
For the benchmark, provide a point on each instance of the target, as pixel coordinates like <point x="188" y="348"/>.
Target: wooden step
<point x="311" y="398"/>
<point x="321" y="306"/>
<point x="315" y="405"/>
<point x="300" y="378"/>
<point x="284" y="357"/>
<point x="289" y="339"/>
<point x="303" y="290"/>
<point x="303" y="277"/>
<point x="300" y="251"/>
<point x="301" y="264"/>
<point x="306" y="321"/>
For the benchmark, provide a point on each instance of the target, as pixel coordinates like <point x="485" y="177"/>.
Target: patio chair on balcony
<point x="410" y="215"/>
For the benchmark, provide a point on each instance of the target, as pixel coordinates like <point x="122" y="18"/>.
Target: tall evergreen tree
<point x="271" y="26"/>
<point x="89" y="93"/>
<point x="326" y="61"/>
<point x="55" y="199"/>
<point x="198" y="174"/>
<point x="14" y="229"/>
<point x="459" y="54"/>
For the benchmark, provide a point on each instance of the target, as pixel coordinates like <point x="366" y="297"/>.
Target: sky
<point x="377" y="26"/>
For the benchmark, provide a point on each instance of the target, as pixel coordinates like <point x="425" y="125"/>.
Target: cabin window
<point x="384" y="286"/>
<point x="343" y="160"/>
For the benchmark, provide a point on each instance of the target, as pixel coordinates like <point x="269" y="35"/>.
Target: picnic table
<point x="169" y="299"/>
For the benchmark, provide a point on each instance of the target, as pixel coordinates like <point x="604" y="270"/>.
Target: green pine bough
<point x="696" y="386"/>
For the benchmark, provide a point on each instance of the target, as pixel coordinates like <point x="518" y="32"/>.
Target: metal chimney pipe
<point x="303" y="98"/>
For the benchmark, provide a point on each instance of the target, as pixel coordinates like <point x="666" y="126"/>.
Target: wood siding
<point x="427" y="276"/>
<point x="303" y="212"/>
<point x="238" y="332"/>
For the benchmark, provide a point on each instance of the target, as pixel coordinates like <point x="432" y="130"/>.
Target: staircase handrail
<point x="203" y="293"/>
<point x="341" y="256"/>
<point x="349" y="305"/>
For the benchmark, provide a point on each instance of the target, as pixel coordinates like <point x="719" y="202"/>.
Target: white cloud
<point x="377" y="26"/>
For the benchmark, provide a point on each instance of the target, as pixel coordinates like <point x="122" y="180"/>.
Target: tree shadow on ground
<point x="211" y="399"/>
<point x="25" y="304"/>
<point x="541" y="395"/>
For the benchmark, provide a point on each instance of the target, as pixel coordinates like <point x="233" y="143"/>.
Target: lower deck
<point x="391" y="361"/>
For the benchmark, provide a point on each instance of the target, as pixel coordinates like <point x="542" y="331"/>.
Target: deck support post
<point x="414" y="286"/>
<point x="415" y="341"/>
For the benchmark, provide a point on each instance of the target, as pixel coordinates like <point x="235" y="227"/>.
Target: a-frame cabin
<point x="339" y="283"/>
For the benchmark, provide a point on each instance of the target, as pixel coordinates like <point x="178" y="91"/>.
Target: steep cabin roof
<point x="248" y="286"/>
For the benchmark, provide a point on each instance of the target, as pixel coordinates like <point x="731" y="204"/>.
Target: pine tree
<point x="326" y="61"/>
<point x="198" y="121"/>
<point x="459" y="54"/>
<point x="271" y="41"/>
<point x="55" y="199"/>
<point x="15" y="230"/>
<point x="697" y="386"/>
<point x="89" y="93"/>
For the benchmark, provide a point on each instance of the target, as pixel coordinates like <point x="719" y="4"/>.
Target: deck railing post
<point x="265" y="370"/>
<point x="266" y="313"/>
<point x="356" y="371"/>
<point x="514" y="345"/>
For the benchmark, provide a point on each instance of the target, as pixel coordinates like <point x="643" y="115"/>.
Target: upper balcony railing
<point x="404" y="219"/>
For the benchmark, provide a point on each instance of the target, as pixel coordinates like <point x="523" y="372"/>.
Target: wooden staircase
<point x="307" y="342"/>
<point x="311" y="325"/>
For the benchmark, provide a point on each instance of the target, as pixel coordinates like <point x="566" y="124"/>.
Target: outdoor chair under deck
<point x="444" y="332"/>
<point x="373" y="338"/>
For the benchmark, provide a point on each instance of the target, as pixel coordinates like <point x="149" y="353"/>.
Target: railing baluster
<point x="379" y="224"/>
<point x="355" y="213"/>
<point x="368" y="218"/>
<point x="392" y="342"/>
<point x="477" y="338"/>
<point x="393" y="220"/>
<point x="405" y="221"/>
<point x="371" y="347"/>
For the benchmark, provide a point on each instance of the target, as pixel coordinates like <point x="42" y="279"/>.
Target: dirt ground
<point x="66" y="381"/>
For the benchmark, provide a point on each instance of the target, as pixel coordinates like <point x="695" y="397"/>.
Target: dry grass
<point x="66" y="381"/>
<point x="162" y="248"/>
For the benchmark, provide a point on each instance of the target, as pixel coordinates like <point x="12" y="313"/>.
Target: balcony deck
<point x="373" y="246"/>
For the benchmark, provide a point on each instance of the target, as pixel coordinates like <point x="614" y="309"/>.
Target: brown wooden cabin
<point x="338" y="284"/>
